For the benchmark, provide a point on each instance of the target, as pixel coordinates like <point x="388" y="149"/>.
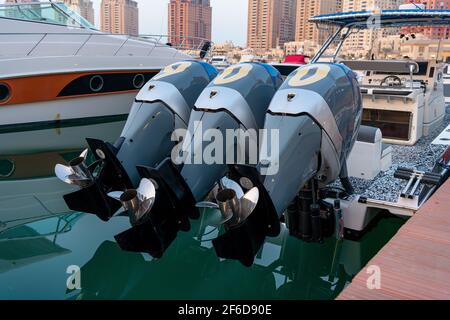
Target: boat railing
<point x="118" y="44"/>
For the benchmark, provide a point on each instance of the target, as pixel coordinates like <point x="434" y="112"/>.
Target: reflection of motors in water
<point x="284" y="268"/>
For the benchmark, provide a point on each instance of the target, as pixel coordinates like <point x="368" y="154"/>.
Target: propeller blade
<point x="233" y="185"/>
<point x="67" y="175"/>
<point x="115" y="195"/>
<point x="143" y="213"/>
<point x="229" y="205"/>
<point x="79" y="181"/>
<point x="146" y="190"/>
<point x="248" y="203"/>
<point x="84" y="153"/>
<point x="145" y="194"/>
<point x="63" y="173"/>
<point x="207" y="205"/>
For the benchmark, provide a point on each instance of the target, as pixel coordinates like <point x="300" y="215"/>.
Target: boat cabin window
<point x="53" y="13"/>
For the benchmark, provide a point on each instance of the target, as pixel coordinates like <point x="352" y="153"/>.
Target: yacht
<point x="56" y="68"/>
<point x="447" y="83"/>
<point x="220" y="62"/>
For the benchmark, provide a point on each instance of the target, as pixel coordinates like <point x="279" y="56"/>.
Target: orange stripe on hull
<point x="48" y="87"/>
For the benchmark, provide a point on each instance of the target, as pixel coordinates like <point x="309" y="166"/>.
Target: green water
<point x="40" y="239"/>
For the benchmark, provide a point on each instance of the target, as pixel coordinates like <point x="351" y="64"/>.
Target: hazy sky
<point x="229" y="19"/>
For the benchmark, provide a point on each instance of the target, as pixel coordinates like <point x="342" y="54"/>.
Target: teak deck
<point x="415" y="264"/>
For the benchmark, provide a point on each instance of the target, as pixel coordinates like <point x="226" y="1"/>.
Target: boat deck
<point x="415" y="264"/>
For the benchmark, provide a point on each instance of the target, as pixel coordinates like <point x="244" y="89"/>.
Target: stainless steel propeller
<point x="226" y="183"/>
<point x="76" y="173"/>
<point x="137" y="202"/>
<point x="232" y="203"/>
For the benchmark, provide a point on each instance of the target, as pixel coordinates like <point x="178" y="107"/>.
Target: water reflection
<point x="33" y="242"/>
<point x="40" y="238"/>
<point x="286" y="268"/>
<point x="29" y="189"/>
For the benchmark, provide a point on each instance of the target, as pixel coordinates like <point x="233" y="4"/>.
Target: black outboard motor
<point x="163" y="105"/>
<point x="237" y="99"/>
<point x="317" y="114"/>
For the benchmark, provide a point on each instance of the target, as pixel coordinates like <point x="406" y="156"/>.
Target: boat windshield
<point x="48" y="12"/>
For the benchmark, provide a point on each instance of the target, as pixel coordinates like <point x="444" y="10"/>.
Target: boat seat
<point x="368" y="134"/>
<point x="370" y="155"/>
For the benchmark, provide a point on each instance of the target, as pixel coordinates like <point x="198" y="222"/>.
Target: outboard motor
<point x="163" y="105"/>
<point x="238" y="98"/>
<point x="317" y="112"/>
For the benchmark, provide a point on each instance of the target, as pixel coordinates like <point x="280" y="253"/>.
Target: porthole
<point x="96" y="83"/>
<point x="7" y="168"/>
<point x="138" y="81"/>
<point x="5" y="92"/>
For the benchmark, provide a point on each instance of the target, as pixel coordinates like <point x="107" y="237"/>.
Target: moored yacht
<point x="404" y="98"/>
<point x="56" y="68"/>
<point x="447" y="83"/>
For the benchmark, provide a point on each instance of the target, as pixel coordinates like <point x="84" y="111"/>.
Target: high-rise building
<point x="362" y="41"/>
<point x="271" y="23"/>
<point x="430" y="32"/>
<point x="286" y="31"/>
<point x="83" y="7"/>
<point x="309" y="32"/>
<point x="120" y="16"/>
<point x="190" y="21"/>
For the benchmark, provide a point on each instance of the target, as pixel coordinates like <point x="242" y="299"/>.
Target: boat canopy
<point x="44" y="12"/>
<point x="377" y="19"/>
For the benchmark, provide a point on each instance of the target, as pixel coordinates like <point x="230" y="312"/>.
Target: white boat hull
<point x="58" y="138"/>
<point x="60" y="110"/>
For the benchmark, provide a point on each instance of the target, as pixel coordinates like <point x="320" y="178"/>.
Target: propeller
<point x="226" y="183"/>
<point x="138" y="202"/>
<point x="234" y="205"/>
<point x="76" y="173"/>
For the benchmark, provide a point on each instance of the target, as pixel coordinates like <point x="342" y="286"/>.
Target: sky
<point x="229" y="19"/>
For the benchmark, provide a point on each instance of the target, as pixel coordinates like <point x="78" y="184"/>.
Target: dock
<point x="415" y="263"/>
